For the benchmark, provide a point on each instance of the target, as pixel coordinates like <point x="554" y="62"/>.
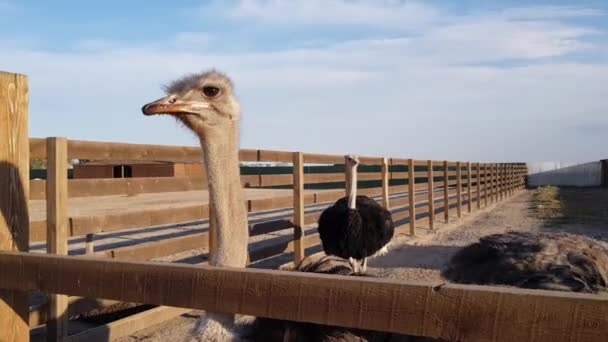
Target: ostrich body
<point x="205" y="104"/>
<point x="549" y="261"/>
<point x="355" y="227"/>
<point x="275" y="330"/>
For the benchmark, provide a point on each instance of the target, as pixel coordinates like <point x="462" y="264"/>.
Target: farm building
<point x="135" y="168"/>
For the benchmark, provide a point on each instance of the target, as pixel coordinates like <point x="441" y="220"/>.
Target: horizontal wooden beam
<point x="452" y="312"/>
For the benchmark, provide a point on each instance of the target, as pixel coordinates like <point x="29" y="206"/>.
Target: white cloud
<point x="381" y="13"/>
<point x="439" y="94"/>
<point x="552" y="12"/>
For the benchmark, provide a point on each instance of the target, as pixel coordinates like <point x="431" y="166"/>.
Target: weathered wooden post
<point x="431" y="194"/>
<point x="446" y="198"/>
<point x="459" y="189"/>
<point x="469" y="188"/>
<point x="411" y="194"/>
<point x="298" y="206"/>
<point x="14" y="196"/>
<point x="57" y="228"/>
<point x="478" y="185"/>
<point x="385" y="183"/>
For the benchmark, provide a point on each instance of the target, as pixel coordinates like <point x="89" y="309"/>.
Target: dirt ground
<point x="421" y="258"/>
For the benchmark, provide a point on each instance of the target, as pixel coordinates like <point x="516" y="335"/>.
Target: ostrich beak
<point x="172" y="105"/>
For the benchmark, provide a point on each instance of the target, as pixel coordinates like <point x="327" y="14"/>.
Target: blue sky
<point x="459" y="80"/>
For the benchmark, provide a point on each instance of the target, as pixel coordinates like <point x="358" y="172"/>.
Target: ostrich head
<point x="351" y="160"/>
<point x="200" y="101"/>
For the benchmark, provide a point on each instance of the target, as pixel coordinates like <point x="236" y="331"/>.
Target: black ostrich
<point x="355" y="227"/>
<point x="549" y="261"/>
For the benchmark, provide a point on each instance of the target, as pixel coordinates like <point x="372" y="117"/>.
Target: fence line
<point x="459" y="312"/>
<point x="414" y="200"/>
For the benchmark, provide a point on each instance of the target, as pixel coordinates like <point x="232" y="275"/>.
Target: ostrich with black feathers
<point x="539" y="260"/>
<point x="355" y="227"/>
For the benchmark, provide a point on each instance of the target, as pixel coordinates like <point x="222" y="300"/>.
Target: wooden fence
<point x="431" y="188"/>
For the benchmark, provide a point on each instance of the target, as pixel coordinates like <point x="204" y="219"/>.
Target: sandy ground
<point x="421" y="258"/>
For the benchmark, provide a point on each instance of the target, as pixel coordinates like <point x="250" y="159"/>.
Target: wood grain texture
<point x="411" y="191"/>
<point x="446" y="183"/>
<point x="452" y="312"/>
<point x="14" y="196"/>
<point x="385" y="183"/>
<point x="298" y="205"/>
<point x="478" y="173"/>
<point x="431" y="194"/>
<point x="469" y="188"/>
<point x="459" y="189"/>
<point x="57" y="229"/>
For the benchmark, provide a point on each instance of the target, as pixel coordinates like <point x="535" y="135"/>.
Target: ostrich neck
<point x="221" y="154"/>
<point x="351" y="172"/>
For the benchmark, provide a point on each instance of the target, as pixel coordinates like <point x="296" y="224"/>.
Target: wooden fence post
<point x="486" y="189"/>
<point x="469" y="190"/>
<point x="459" y="189"/>
<point x="478" y="185"/>
<point x="511" y="177"/>
<point x="298" y="206"/>
<point x="495" y="183"/>
<point x="446" y="199"/>
<point x="411" y="182"/>
<point x="504" y="182"/>
<point x="14" y="196"/>
<point x="431" y="194"/>
<point x="57" y="228"/>
<point x="385" y="183"/>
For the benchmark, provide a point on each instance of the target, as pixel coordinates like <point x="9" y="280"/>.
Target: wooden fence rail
<point x="451" y="312"/>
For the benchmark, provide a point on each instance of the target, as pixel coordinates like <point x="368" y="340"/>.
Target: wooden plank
<point x="469" y="188"/>
<point x="274" y="156"/>
<point x="405" y="175"/>
<point x="38" y="188"/>
<point x="324" y="197"/>
<point x="134" y="186"/>
<point x="485" y="313"/>
<point x="478" y="171"/>
<point x="83" y="225"/>
<point x="273" y="180"/>
<point x="431" y="194"/>
<point x="128" y="325"/>
<point x="158" y="249"/>
<point x="366" y="160"/>
<point x="315" y="178"/>
<point x="298" y="205"/>
<point x="37" y="148"/>
<point x="14" y="196"/>
<point x="446" y="204"/>
<point x="311" y="158"/>
<point x="412" y="208"/>
<point x="57" y="229"/>
<point x="495" y="183"/>
<point x="459" y="189"/>
<point x="79" y="149"/>
<point x="385" y="183"/>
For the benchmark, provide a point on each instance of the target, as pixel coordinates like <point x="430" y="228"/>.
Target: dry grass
<point x="546" y="202"/>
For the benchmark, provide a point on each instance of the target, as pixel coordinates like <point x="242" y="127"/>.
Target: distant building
<point x="136" y="168"/>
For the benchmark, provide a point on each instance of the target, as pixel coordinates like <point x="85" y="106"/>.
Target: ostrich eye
<point x="211" y="91"/>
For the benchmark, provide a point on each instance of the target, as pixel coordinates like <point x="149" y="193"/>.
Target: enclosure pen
<point x="414" y="190"/>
